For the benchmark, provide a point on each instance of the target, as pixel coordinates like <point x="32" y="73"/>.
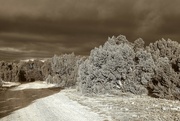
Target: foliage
<point x="64" y="70"/>
<point x="165" y="82"/>
<point x="116" y="66"/>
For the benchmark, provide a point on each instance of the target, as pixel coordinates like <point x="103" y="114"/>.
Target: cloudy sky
<point x="42" y="28"/>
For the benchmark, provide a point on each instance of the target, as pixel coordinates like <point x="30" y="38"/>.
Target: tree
<point x="1" y="82"/>
<point x="164" y="48"/>
<point x="116" y="66"/>
<point x="64" y="70"/>
<point x="9" y="71"/>
<point x="46" y="69"/>
<point x="165" y="82"/>
<point x="30" y="71"/>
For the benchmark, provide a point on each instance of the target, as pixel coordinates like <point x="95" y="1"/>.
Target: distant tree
<point x="64" y="70"/>
<point x="30" y="71"/>
<point x="9" y="71"/>
<point x="46" y="69"/>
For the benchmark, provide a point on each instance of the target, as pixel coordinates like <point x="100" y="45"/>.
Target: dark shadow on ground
<point x="13" y="100"/>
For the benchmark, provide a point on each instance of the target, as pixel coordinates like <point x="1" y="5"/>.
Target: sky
<point x="42" y="28"/>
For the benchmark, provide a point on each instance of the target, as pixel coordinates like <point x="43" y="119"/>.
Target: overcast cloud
<point x="42" y="28"/>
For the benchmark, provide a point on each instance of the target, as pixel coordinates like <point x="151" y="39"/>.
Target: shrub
<point x="116" y="66"/>
<point x="9" y="71"/>
<point x="166" y="80"/>
<point x="46" y="69"/>
<point x="64" y="70"/>
<point x="165" y="48"/>
<point x="30" y="71"/>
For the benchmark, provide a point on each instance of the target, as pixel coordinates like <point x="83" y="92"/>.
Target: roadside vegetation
<point x="118" y="66"/>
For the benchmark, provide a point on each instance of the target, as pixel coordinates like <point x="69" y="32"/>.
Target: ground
<point x="129" y="107"/>
<point x="39" y="101"/>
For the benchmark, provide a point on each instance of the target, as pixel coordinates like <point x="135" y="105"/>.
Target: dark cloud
<point x="159" y="19"/>
<point x="43" y="28"/>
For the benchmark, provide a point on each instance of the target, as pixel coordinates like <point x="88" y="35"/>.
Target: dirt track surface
<point x="47" y="104"/>
<point x="13" y="100"/>
<point x="32" y="103"/>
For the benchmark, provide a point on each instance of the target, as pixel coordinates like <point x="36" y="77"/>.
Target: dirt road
<point x="48" y="104"/>
<point x="40" y="102"/>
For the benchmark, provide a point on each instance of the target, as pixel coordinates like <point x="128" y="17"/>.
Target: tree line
<point x="115" y="67"/>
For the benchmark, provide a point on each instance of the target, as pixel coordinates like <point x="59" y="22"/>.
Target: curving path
<point x="27" y="104"/>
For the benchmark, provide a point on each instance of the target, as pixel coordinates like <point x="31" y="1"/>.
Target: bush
<point x="30" y="71"/>
<point x="165" y="82"/>
<point x="165" y="48"/>
<point x="116" y="66"/>
<point x="46" y="69"/>
<point x="119" y="65"/>
<point x="9" y="71"/>
<point x="64" y="70"/>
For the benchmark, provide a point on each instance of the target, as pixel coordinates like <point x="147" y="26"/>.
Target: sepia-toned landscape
<point x="86" y="61"/>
